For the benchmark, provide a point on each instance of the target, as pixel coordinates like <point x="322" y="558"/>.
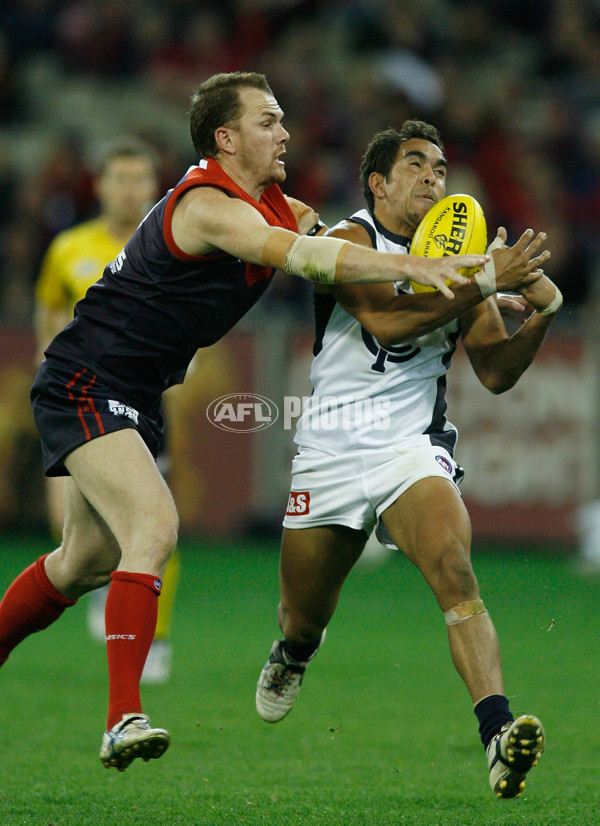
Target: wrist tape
<point x="314" y="258"/>
<point x="554" y="305"/>
<point x="486" y="278"/>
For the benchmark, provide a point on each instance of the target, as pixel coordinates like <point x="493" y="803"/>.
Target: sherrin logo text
<point x="459" y="227"/>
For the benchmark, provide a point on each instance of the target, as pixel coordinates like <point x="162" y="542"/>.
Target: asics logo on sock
<point x="120" y="637"/>
<point x="158" y="584"/>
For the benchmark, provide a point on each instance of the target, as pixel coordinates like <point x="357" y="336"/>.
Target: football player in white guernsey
<point x="376" y="450"/>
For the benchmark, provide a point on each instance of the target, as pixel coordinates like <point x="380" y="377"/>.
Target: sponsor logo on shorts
<point x="298" y="503"/>
<point x="242" y="412"/>
<point x="120" y="409"/>
<point x="443" y="461"/>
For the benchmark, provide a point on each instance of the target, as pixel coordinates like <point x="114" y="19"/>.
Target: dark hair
<point x="217" y="103"/>
<point x="382" y="151"/>
<point x="127" y="146"/>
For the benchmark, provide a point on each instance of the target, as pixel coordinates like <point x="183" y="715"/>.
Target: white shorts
<point x="354" y="489"/>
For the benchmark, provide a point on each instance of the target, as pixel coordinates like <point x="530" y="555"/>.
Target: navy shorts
<point x="72" y="406"/>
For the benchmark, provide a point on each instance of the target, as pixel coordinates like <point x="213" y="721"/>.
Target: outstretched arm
<point x="393" y="318"/>
<point x="206" y="219"/>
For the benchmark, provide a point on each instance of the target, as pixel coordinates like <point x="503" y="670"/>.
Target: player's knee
<point x="162" y="532"/>
<point x="456" y="578"/>
<point x="169" y="540"/>
<point x="74" y="574"/>
<point x="90" y="580"/>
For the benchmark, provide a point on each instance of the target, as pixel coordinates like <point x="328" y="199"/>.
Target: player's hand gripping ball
<point x="454" y="226"/>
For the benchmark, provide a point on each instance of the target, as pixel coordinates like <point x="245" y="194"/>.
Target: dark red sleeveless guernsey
<point x="139" y="326"/>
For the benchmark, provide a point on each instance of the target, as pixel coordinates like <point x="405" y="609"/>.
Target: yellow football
<point x="454" y="226"/>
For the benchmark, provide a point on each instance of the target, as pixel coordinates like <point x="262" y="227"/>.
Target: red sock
<point x="31" y="604"/>
<point x="131" y="608"/>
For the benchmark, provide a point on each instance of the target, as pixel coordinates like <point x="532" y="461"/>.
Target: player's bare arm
<point x="361" y="265"/>
<point x="499" y="360"/>
<point x="206" y="219"/>
<point x="393" y="318"/>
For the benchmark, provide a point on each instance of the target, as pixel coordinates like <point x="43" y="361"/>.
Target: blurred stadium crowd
<point x="513" y="86"/>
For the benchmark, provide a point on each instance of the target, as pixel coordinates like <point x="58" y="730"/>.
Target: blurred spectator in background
<point x="345" y="71"/>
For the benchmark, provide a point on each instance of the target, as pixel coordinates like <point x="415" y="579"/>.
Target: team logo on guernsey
<point x="443" y="461"/>
<point x="298" y="503"/>
<point x="117" y="265"/>
<point x="120" y="409"/>
<point x="242" y="412"/>
<point x="396" y="355"/>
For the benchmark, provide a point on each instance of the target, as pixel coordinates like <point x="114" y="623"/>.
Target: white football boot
<point x="132" y="737"/>
<point x="513" y="752"/>
<point x="279" y="682"/>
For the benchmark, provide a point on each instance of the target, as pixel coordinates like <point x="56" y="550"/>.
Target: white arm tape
<point x="554" y="305"/>
<point x="486" y="278"/>
<point x="314" y="258"/>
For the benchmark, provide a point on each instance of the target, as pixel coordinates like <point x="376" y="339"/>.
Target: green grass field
<point x="383" y="732"/>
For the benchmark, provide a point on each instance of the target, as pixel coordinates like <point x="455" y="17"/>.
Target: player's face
<point x="127" y="189"/>
<point x="416" y="182"/>
<point x="260" y="138"/>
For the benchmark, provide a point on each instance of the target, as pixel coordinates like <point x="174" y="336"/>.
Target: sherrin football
<point x="454" y="226"/>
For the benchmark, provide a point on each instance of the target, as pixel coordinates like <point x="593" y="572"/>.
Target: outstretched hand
<point x="520" y="265"/>
<point x="435" y="272"/>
